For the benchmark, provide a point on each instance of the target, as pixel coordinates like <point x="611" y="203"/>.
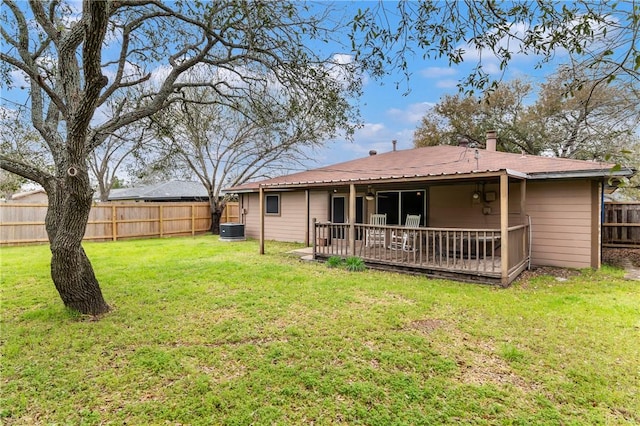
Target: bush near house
<point x="204" y="332"/>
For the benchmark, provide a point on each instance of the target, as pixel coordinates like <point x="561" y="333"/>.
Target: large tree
<point x="224" y="145"/>
<point x="595" y="122"/>
<point x="75" y="62"/>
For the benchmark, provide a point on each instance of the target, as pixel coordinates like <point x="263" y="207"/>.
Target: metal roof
<point x="438" y="162"/>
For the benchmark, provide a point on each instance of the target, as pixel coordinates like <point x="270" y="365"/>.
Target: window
<point x="272" y="204"/>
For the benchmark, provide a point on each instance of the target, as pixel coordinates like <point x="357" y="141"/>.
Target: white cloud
<point x="437" y="77"/>
<point x="342" y="69"/>
<point x="412" y="114"/>
<point x="343" y="58"/>
<point x="159" y="75"/>
<point x="370" y="130"/>
<point x="491" y="68"/>
<point x="19" y="79"/>
<point x="437" y="72"/>
<point x="447" y="84"/>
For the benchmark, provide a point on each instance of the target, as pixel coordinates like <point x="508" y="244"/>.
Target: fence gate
<point x="621" y="227"/>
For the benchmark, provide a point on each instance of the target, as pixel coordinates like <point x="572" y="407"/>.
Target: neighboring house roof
<point x="38" y="194"/>
<point x="439" y="161"/>
<point x="164" y="191"/>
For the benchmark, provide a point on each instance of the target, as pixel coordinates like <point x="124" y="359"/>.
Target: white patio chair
<point x="376" y="236"/>
<point x="404" y="239"/>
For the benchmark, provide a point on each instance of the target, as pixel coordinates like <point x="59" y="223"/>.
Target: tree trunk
<point x="66" y="221"/>
<point x="215" y="220"/>
<point x="216" y="212"/>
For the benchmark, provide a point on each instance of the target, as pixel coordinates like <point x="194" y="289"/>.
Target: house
<point x="162" y="192"/>
<point x="37" y="196"/>
<point x="484" y="215"/>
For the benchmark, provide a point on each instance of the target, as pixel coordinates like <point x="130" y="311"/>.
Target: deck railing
<point x="469" y="251"/>
<point x="519" y="246"/>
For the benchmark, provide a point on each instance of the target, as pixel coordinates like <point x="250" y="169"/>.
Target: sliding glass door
<point x="398" y="204"/>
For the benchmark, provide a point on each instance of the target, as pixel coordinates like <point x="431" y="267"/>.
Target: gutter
<point x="603" y="173"/>
<point x="284" y="186"/>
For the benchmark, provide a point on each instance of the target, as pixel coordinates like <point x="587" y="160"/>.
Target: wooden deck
<point x="464" y="254"/>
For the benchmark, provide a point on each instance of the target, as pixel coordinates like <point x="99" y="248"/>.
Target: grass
<point x="204" y="332"/>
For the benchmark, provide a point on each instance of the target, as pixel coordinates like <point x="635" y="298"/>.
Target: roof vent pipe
<point x="373" y="152"/>
<point x="394" y="142"/>
<point x="491" y="140"/>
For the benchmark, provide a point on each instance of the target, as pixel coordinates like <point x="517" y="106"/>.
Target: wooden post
<point x="114" y="222"/>
<point x="523" y="217"/>
<point x="261" y="203"/>
<point x="193" y="219"/>
<point x="523" y="201"/>
<point x="313" y="236"/>
<point x="306" y="218"/>
<point x="504" y="228"/>
<point x="352" y="219"/>
<point x="161" y="221"/>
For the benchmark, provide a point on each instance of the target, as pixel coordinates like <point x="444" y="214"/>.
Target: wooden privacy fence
<point x="621" y="226"/>
<point x="24" y="223"/>
<point x="231" y="213"/>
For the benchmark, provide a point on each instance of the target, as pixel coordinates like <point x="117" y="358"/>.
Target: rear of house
<point x="564" y="216"/>
<point x="545" y="211"/>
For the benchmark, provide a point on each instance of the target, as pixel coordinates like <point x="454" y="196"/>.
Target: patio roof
<point x="444" y="161"/>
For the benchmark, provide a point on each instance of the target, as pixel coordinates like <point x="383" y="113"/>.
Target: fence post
<point x="114" y="222"/>
<point x="193" y="219"/>
<point x="161" y="221"/>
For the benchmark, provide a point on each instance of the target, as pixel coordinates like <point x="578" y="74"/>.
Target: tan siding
<point x="561" y="220"/>
<point x="319" y="206"/>
<point x="251" y="216"/>
<point x="289" y="225"/>
<point x="451" y="206"/>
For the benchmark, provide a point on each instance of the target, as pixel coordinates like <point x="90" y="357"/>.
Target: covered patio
<point x="494" y="254"/>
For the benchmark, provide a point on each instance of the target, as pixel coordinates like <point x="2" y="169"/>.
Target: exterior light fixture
<point x="370" y="195"/>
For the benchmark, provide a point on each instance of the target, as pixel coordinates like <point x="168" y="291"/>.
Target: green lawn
<point x="204" y="332"/>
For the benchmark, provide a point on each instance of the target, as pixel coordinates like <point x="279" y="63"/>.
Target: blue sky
<point x="392" y="113"/>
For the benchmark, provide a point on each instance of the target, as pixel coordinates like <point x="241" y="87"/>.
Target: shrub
<point x="355" y="264"/>
<point x="334" y="262"/>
